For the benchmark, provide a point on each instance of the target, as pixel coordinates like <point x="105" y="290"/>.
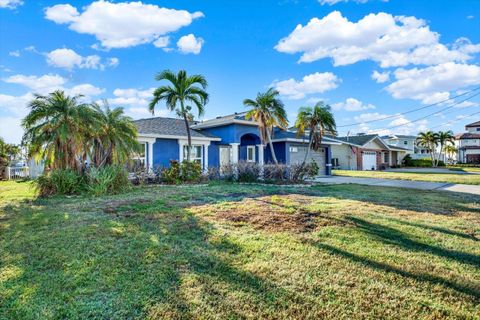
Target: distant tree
<point x="316" y="121"/>
<point x="450" y="151"/>
<point x="183" y="90"/>
<point x="114" y="138"/>
<point x="268" y="110"/>
<point x="56" y="127"/>
<point x="429" y="140"/>
<point x="445" y="138"/>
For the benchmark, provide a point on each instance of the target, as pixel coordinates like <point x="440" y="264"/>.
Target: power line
<point x="428" y="115"/>
<point x="414" y="110"/>
<point x="455" y="120"/>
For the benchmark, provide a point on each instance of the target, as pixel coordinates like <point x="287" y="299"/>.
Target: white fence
<point x="13" y="173"/>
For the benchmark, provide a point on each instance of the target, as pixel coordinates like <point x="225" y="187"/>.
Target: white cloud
<point x="113" y="62"/>
<point x="398" y="125"/>
<point x="470" y="17"/>
<point x="69" y="59"/>
<point x="13" y="132"/>
<point x="136" y="102"/>
<point x="388" y="40"/>
<point x="15" y="105"/>
<point x="190" y="44"/>
<point x="10" y="4"/>
<point x="310" y="84"/>
<point x="381" y="77"/>
<point x="434" y="83"/>
<point x="15" y="53"/>
<point x="162" y="42"/>
<point x="123" y="24"/>
<point x="352" y="104"/>
<point x="43" y="84"/>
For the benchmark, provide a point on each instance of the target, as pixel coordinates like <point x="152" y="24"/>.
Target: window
<point x="195" y="153"/>
<point x="293" y="149"/>
<point x="405" y="142"/>
<point x="478" y="129"/>
<point x="386" y="157"/>
<point x="250" y="153"/>
<point x="138" y="160"/>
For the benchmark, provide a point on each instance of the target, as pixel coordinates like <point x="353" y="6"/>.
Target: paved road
<point x="464" y="188"/>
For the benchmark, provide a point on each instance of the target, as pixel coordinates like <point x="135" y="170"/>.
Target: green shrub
<point x="182" y="172"/>
<point x="420" y="163"/>
<point x="108" y="179"/>
<point x="62" y="182"/>
<point x="248" y="171"/>
<point x="97" y="181"/>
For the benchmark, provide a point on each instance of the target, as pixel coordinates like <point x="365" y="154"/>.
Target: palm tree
<point x="317" y="121"/>
<point x="114" y="137"/>
<point x="444" y="138"/>
<point x="268" y="110"/>
<point x="183" y="89"/>
<point x="429" y="140"/>
<point x="55" y="129"/>
<point x="450" y="151"/>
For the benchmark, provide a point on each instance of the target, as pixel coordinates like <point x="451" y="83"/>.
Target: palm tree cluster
<point x="8" y="151"/>
<point x="436" y="143"/>
<point x="64" y="132"/>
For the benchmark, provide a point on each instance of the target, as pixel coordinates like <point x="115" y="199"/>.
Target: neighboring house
<point x="468" y="144"/>
<point x="366" y="152"/>
<point x="221" y="141"/>
<point x="410" y="143"/>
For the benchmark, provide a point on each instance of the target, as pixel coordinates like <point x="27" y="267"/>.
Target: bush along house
<point x="223" y="140"/>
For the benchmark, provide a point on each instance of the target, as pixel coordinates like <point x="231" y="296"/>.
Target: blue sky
<point x="368" y="59"/>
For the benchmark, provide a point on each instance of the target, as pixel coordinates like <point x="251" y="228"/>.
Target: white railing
<point x="13" y="173"/>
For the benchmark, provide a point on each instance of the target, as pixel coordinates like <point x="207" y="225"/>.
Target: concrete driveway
<point x="421" y="185"/>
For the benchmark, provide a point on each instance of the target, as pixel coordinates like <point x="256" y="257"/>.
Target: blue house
<point x="223" y="140"/>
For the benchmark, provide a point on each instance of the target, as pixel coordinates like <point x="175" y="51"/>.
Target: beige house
<point x="468" y="144"/>
<point x="366" y="152"/>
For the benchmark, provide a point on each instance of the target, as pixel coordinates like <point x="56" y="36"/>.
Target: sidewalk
<point x="421" y="185"/>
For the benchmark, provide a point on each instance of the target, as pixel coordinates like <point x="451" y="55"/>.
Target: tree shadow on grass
<point x="94" y="264"/>
<point x="392" y="236"/>
<point x="471" y="289"/>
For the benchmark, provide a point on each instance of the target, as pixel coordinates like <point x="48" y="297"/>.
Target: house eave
<point x="174" y="137"/>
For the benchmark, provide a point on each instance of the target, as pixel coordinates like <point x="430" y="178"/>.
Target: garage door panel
<point x="297" y="154"/>
<point x="369" y="160"/>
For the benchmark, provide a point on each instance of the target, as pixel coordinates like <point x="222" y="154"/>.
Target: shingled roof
<point x="167" y="127"/>
<point x="359" y="140"/>
<point x="467" y="136"/>
<point x="475" y="124"/>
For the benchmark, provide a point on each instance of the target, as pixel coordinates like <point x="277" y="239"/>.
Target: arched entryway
<point x="250" y="148"/>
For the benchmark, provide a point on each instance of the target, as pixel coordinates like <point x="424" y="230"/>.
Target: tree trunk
<point x="308" y="150"/>
<point x="187" y="125"/>
<point x="269" y="137"/>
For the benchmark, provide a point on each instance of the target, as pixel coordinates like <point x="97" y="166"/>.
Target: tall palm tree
<point x="317" y="121"/>
<point x="268" y="110"/>
<point x="55" y="129"/>
<point x="114" y="139"/>
<point x="429" y="140"/>
<point x="444" y="138"/>
<point x="183" y="90"/>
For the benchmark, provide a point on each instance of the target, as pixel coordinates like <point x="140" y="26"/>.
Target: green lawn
<point x="465" y="169"/>
<point x="229" y="251"/>
<point x="414" y="176"/>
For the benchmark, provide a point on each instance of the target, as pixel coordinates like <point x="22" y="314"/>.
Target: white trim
<point x="253" y="153"/>
<point x="234" y="152"/>
<point x="164" y="136"/>
<point x="222" y="122"/>
<point x="261" y="159"/>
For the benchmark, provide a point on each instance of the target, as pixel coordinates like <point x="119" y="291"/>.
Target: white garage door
<point x="369" y="159"/>
<point x="297" y="154"/>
